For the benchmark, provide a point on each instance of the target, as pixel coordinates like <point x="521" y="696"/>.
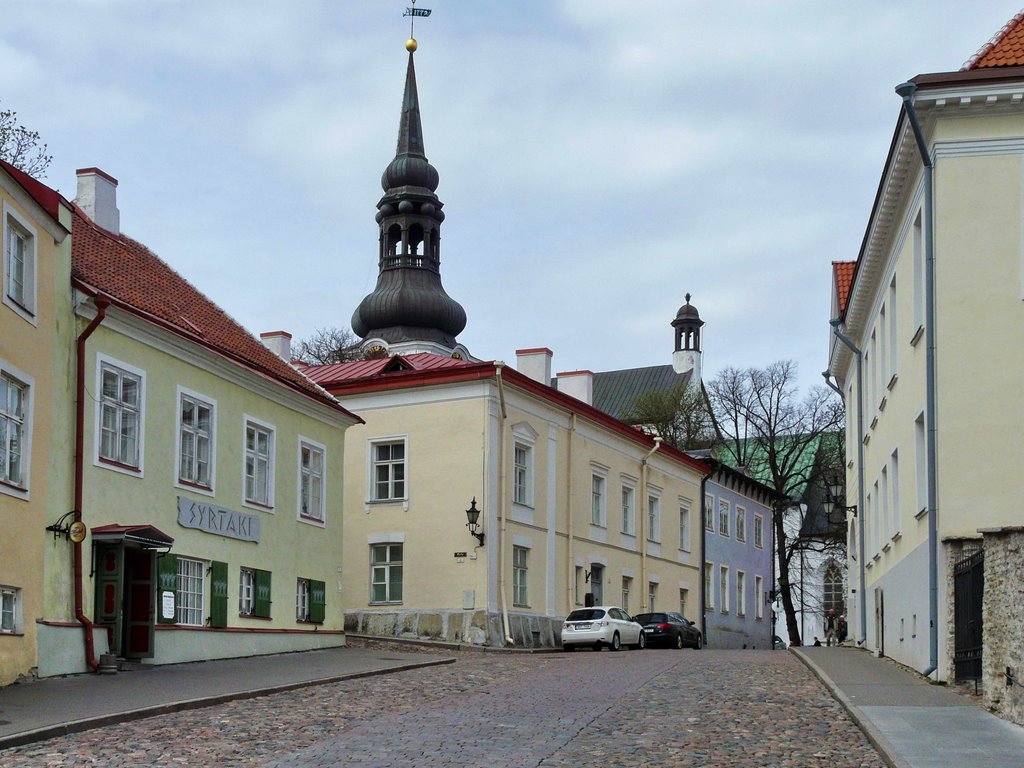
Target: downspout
<point x="101" y="303"/>
<point x="906" y="92"/>
<point x="571" y="573"/>
<point x="643" y="520"/>
<point x="860" y="476"/>
<point x="703" y="557"/>
<point x="502" y="517"/>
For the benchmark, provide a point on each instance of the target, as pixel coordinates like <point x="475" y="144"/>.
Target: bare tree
<point x="787" y="442"/>
<point x="20" y="147"/>
<point x="680" y="415"/>
<point x="329" y="345"/>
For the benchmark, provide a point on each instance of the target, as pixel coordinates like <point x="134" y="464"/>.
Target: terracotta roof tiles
<point x="336" y="373"/>
<point x="1006" y="49"/>
<point x="842" y="274"/>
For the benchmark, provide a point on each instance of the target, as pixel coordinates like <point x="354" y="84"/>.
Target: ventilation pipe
<point x="906" y="92"/>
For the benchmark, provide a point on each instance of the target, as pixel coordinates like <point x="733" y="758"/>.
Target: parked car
<point x="778" y="642"/>
<point x="601" y="625"/>
<point x="670" y="629"/>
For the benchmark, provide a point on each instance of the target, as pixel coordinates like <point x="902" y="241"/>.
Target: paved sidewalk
<point x="46" y="708"/>
<point x="913" y="723"/>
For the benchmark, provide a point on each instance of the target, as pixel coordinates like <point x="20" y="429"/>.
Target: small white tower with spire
<point x="687" y="354"/>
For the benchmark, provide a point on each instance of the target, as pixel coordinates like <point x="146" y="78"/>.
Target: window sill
<point x="307" y="621"/>
<point x="892" y="381"/>
<point x="874" y="423"/>
<point x="12" y="634"/>
<point x="881" y="404"/>
<point x="524" y="505"/>
<point x="725" y="613"/>
<point x="308" y="520"/>
<point x="886" y="547"/>
<point x="112" y="464"/>
<point x="897" y="536"/>
<point x="867" y="439"/>
<point x="921" y="513"/>
<point x="654" y="541"/>
<point x="254" y="616"/>
<point x="521" y="605"/>
<point x="917" y="336"/>
<point x="258" y="505"/>
<point x="877" y="556"/>
<point x="384" y="502"/>
<point x="393" y="602"/>
<point x="26" y="314"/>
<point x="13" y="486"/>
<point x="741" y="541"/>
<point x="869" y="565"/>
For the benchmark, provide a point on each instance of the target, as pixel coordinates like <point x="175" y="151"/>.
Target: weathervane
<point x="413" y="12"/>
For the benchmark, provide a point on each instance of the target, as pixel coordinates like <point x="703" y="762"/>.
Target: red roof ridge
<point x="1014" y="57"/>
<point x="48" y="199"/>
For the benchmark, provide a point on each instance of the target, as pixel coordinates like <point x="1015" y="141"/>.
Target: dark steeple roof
<point x="409" y="304"/>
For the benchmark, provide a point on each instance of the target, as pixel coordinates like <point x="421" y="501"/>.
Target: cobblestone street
<point x="651" y="708"/>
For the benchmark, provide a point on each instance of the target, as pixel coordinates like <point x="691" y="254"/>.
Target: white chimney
<point x="578" y="384"/>
<point x="97" y="196"/>
<point x="535" y="363"/>
<point x="278" y="342"/>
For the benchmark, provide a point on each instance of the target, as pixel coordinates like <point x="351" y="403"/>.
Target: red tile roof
<point x="49" y="200"/>
<point x="336" y="373"/>
<point x="140" y="282"/>
<point x="1006" y="49"/>
<point x="842" y="275"/>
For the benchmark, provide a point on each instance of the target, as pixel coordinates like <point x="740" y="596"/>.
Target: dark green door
<point x="107" y="611"/>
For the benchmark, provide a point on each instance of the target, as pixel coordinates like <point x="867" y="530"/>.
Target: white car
<point x="601" y="625"/>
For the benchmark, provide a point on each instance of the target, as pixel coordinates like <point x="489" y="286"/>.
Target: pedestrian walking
<point x="843" y="630"/>
<point x="831" y="627"/>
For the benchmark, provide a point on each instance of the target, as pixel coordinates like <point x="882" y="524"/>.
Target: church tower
<point x="409" y="311"/>
<point x="687" y="354"/>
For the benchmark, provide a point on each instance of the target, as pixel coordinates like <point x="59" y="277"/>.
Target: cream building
<point x="35" y="270"/>
<point x="930" y="321"/>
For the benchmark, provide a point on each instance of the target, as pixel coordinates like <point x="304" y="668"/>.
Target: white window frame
<point x="652" y="594"/>
<point x="104" y="362"/>
<point x="302" y="591"/>
<point x="741" y="523"/>
<point x="8" y="486"/>
<point x="724" y="515"/>
<point x="386" y="566"/>
<point x="758" y="597"/>
<point x="684" y="526"/>
<point x="653" y="511"/>
<point x="181" y="430"/>
<point x="598" y="497"/>
<point x="186" y="612"/>
<point x="318" y="514"/>
<point x="10" y="610"/>
<point x="627" y="587"/>
<point x="709" y="586"/>
<point x="15" y="223"/>
<point x="522" y="473"/>
<point x="723" y="587"/>
<point x="371" y="466"/>
<point x="709" y="513"/>
<point x="628" y="499"/>
<point x="520" y="576"/>
<point x="258" y="425"/>
<point x="759" y="531"/>
<point x="741" y="593"/>
<point x="246" y="591"/>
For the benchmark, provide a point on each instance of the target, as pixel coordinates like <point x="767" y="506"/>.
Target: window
<point x="709" y="513"/>
<point x="893" y="335"/>
<point x="386" y="573"/>
<point x="723" y="517"/>
<point x="883" y="505"/>
<point x="522" y="480"/>
<point x="310" y="598"/>
<point x="13" y="431"/>
<point x="741" y="596"/>
<point x="895" y="508"/>
<point x="709" y="592"/>
<point x="652" y="593"/>
<point x="254" y="593"/>
<point x="741" y="524"/>
<point x="627" y="585"/>
<point x="723" y="587"/>
<point x="629" y="510"/>
<point x="919" y="286"/>
<point x="519" y="574"/>
<point x="684" y="598"/>
<point x="653" y="518"/>
<point x="922" y="465"/>
<point x="9" y="608"/>
<point x="259" y="463"/>
<point x="597" y="500"/>
<point x="121" y="395"/>
<point x="388" y="470"/>
<point x="189" y="593"/>
<point x="758" y="597"/>
<point x="684" y="527"/>
<point x="758" y="531"/>
<point x="195" y="436"/>
<point x="19" y="265"/>
<point x="579" y="584"/>
<point x="833" y="590"/>
<point x="302" y="600"/>
<point x="311" y="480"/>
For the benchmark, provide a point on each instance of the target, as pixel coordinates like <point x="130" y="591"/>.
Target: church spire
<point x="409" y="311"/>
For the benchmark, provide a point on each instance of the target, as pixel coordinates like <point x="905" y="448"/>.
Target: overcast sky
<point x="598" y="158"/>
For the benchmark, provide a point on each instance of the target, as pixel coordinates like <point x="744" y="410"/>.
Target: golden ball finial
<point x="410" y="44"/>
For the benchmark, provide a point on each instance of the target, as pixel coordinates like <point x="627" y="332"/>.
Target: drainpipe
<point x="101" y="303"/>
<point x="703" y="557"/>
<point x="571" y="573"/>
<point x="502" y="517"/>
<point x="643" y="521"/>
<point x="860" y="475"/>
<point x="906" y="92"/>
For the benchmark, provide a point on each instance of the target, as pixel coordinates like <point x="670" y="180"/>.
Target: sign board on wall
<point x="210" y="518"/>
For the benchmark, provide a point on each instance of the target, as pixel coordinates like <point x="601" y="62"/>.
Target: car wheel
<point x="700" y="642"/>
<point x="641" y="642"/>
<point x="616" y="642"/>
<point x="679" y="641"/>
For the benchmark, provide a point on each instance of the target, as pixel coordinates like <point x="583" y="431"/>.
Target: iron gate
<point x="968" y="589"/>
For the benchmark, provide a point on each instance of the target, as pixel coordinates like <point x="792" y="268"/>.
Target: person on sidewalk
<point x="843" y="630"/>
<point x="817" y="643"/>
<point x="831" y="627"/>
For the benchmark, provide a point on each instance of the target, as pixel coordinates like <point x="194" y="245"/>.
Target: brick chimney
<point x="579" y="384"/>
<point x="97" y="197"/>
<point x="535" y="363"/>
<point x="278" y="342"/>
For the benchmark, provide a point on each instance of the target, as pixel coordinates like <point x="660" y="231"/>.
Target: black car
<point x="671" y="629"/>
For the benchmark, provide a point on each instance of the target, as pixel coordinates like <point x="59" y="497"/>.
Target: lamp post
<point x="473" y="516"/>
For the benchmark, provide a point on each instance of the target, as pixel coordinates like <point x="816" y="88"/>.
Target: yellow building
<point x="209" y="472"/>
<point x="930" y="321"/>
<point x="574" y="505"/>
<point x="36" y="268"/>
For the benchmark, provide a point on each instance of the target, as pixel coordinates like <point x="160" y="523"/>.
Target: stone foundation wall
<point x="471" y="627"/>
<point x="1003" y="619"/>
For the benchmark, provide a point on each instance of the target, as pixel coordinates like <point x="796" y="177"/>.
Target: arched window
<point x="833" y="593"/>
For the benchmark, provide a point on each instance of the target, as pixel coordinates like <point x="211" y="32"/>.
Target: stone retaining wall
<point x="472" y="627"/>
<point x="1003" y="618"/>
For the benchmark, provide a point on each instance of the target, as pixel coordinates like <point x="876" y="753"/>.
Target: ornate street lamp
<point x="473" y="516"/>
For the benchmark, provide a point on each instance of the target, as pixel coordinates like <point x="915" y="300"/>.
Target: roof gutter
<point x="906" y="91"/>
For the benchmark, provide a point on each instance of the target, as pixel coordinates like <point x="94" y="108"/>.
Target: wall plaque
<point x="210" y="518"/>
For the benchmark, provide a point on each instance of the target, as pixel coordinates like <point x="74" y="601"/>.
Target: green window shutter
<point x="261" y="603"/>
<point x="317" y="601"/>
<point x="167" y="582"/>
<point x="218" y="594"/>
